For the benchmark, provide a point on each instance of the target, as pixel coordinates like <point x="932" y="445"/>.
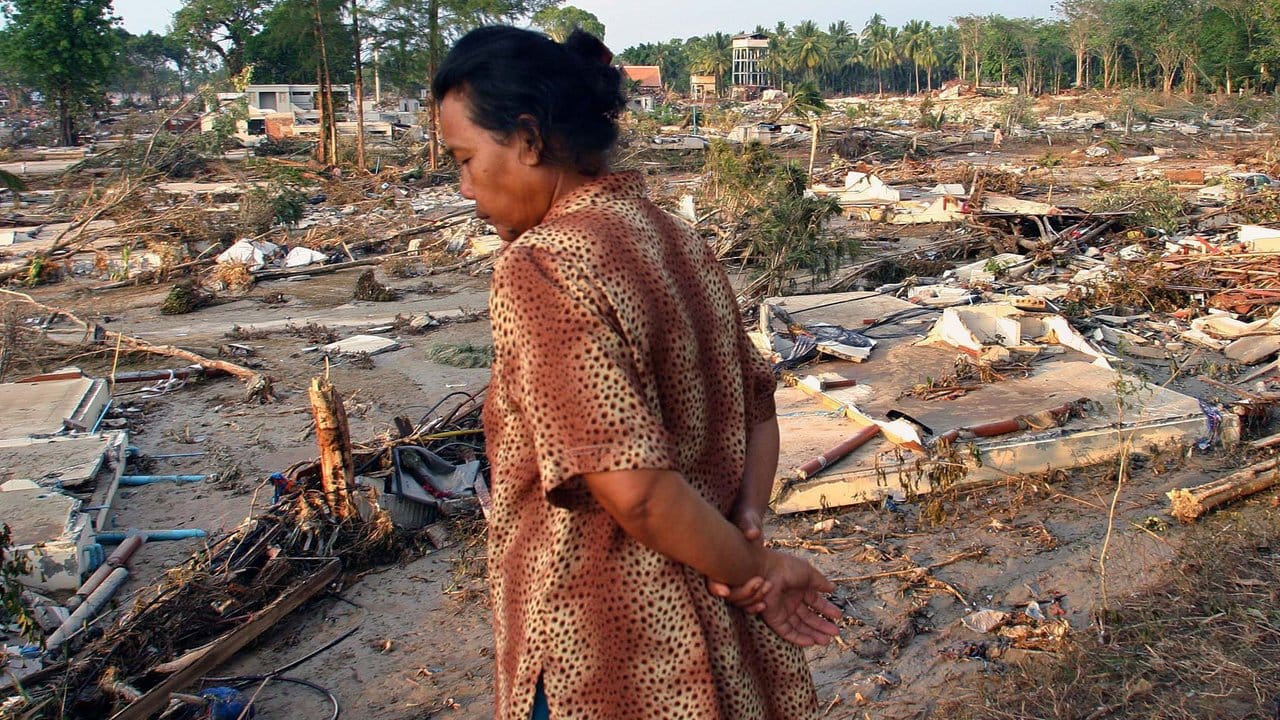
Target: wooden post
<point x="337" y="468"/>
<point x="359" y="94"/>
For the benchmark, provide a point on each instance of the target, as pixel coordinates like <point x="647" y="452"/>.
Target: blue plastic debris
<point x="227" y="704"/>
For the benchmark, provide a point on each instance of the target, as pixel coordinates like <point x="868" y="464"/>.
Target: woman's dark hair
<point x="569" y="89"/>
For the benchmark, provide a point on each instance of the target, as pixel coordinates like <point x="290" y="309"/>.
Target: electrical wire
<point x="248" y="679"/>
<point x="277" y="674"/>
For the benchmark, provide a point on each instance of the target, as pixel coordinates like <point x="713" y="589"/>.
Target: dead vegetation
<point x="1204" y="641"/>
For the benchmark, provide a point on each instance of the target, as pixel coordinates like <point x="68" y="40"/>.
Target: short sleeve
<point x="565" y="355"/>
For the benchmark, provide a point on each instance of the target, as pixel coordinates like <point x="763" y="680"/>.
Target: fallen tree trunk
<point x="257" y="385"/>
<point x="1188" y="504"/>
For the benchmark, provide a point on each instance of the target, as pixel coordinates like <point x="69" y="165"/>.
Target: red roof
<point x="648" y="76"/>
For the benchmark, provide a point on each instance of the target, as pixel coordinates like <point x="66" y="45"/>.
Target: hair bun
<point x="588" y="47"/>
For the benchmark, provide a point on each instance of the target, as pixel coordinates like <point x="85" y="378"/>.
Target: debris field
<point x="241" y="457"/>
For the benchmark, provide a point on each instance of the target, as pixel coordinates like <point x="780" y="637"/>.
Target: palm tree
<point x="810" y="49"/>
<point x="927" y="56"/>
<point x="881" y="47"/>
<point x="805" y="100"/>
<point x="914" y="36"/>
<point x="844" y="52"/>
<point x="714" y="56"/>
<point x="777" y="59"/>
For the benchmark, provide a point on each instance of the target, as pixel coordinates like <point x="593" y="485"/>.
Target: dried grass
<point x="1204" y="642"/>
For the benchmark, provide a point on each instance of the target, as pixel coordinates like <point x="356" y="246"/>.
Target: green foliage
<point x="11" y="182"/>
<point x="784" y="229"/>
<point x="184" y="298"/>
<point x="560" y="22"/>
<point x="145" y="65"/>
<point x="408" y="34"/>
<point x="930" y="120"/>
<point x="1153" y="204"/>
<point x="1019" y="109"/>
<point x="664" y="114"/>
<point x="219" y="28"/>
<point x="462" y="355"/>
<point x="65" y="48"/>
<point x="712" y="54"/>
<point x="285" y="49"/>
<point x="789" y="235"/>
<point x="12" y="567"/>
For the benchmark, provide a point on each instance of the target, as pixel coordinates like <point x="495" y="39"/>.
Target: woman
<point x="628" y="419"/>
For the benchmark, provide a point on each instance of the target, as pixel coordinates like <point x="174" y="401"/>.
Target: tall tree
<point x="145" y="66"/>
<point x="713" y="56"/>
<point x="969" y="29"/>
<point x="66" y="48"/>
<point x="845" y="54"/>
<point x="1082" y="23"/>
<point x="1001" y="44"/>
<point x="560" y="22"/>
<point x="221" y="28"/>
<point x="286" y="50"/>
<point x="916" y="35"/>
<point x="358" y="95"/>
<point x="881" y="43"/>
<point x="810" y="49"/>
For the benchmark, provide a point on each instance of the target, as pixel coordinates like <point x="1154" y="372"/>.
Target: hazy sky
<point x="630" y="22"/>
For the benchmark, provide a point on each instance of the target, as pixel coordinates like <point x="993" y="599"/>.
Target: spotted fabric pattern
<point x="619" y="346"/>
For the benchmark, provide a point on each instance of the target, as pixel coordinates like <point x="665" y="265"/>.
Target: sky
<point x="631" y="22"/>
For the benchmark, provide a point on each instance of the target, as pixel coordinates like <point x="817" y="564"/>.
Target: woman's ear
<point x="529" y="139"/>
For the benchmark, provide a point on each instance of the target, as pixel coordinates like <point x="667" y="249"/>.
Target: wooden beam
<point x="157" y="698"/>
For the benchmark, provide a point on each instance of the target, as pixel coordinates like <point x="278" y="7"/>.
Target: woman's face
<point x="512" y="188"/>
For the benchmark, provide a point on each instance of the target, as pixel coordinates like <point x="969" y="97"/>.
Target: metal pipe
<point x="1012" y="425"/>
<point x="808" y="469"/>
<point x="136" y="480"/>
<point x="86" y="611"/>
<point x="133" y="540"/>
<point x="154" y="375"/>
<point x="114" y="538"/>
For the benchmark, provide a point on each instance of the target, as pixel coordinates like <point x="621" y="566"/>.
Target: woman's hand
<point x="748" y="596"/>
<point x="795" y="605"/>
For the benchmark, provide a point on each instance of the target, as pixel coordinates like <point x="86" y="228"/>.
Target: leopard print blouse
<point x="619" y="346"/>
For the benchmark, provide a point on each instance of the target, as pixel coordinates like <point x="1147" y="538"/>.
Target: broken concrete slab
<point x="973" y="328"/>
<point x="367" y="344"/>
<point x="1147" y="417"/>
<point x="1253" y="349"/>
<point x="67" y="461"/>
<point x="860" y="189"/>
<point x="49" y="529"/>
<point x="51" y="407"/>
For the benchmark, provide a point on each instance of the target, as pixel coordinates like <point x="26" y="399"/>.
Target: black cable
<point x="277" y="673"/>
<point x="442" y="400"/>
<point x="248" y="679"/>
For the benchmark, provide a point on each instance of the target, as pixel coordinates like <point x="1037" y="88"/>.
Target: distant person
<point x="630" y="422"/>
<point x="997" y="137"/>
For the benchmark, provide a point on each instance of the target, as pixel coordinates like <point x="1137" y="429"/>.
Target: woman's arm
<point x="659" y="509"/>
<point x="757" y="480"/>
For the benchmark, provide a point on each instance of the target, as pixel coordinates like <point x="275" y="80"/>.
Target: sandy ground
<point x="422" y="642"/>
